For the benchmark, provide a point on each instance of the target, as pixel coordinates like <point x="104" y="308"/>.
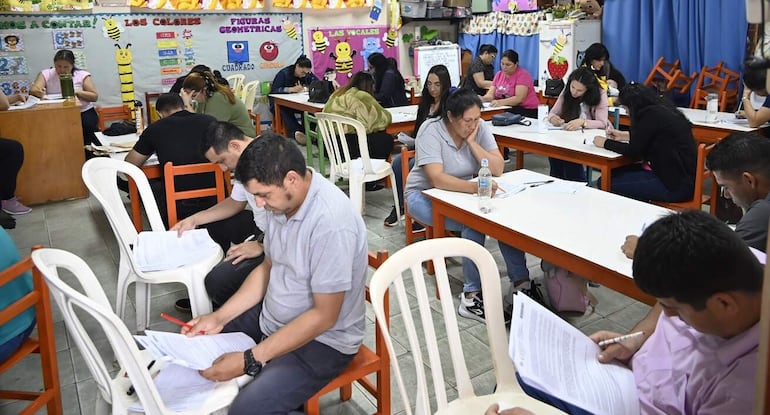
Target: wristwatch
<point x="251" y="366"/>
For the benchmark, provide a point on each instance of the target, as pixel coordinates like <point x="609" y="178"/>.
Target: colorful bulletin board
<point x="45" y="5"/>
<point x="188" y="5"/>
<point x="146" y="52"/>
<point x="343" y="50"/>
<point x="513" y="5"/>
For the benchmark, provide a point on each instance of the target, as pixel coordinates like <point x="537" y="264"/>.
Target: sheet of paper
<point x="552" y="355"/>
<point x="509" y="189"/>
<point x="180" y="388"/>
<point x="51" y="101"/>
<point x="197" y="352"/>
<point x="29" y="103"/>
<point x="52" y="96"/>
<point x="156" y="251"/>
<point x="560" y="186"/>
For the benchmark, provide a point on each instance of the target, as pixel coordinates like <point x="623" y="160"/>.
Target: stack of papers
<point x="197" y="352"/>
<point x="158" y="251"/>
<point x="29" y="103"/>
<point x="181" y="389"/>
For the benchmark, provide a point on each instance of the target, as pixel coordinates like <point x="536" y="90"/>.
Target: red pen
<point x="178" y="321"/>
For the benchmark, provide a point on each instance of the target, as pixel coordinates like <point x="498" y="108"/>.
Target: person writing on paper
<point x="47" y="82"/>
<point x="223" y="144"/>
<point x="754" y="80"/>
<point x="481" y="71"/>
<point x="305" y="304"/>
<point x="11" y="159"/>
<point x="212" y="98"/>
<point x="661" y="139"/>
<point x="513" y="86"/>
<point x="436" y="88"/>
<point x="291" y="80"/>
<point x="583" y="104"/>
<point x="699" y="355"/>
<point x="449" y="151"/>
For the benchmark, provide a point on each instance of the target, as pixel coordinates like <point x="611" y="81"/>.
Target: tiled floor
<point x="81" y="227"/>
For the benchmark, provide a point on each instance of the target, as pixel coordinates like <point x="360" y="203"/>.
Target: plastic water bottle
<point x="542" y="117"/>
<point x="712" y="105"/>
<point x="138" y="118"/>
<point x="485" y="187"/>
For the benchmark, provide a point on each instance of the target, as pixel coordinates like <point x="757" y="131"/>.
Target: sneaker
<point x="373" y="187"/>
<point x="300" y="137"/>
<point x="416" y="226"/>
<point x="392" y="219"/>
<point x="183" y="305"/>
<point x="14" y="207"/>
<point x="472" y="308"/>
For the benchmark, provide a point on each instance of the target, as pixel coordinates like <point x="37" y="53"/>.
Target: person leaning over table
<point x="481" y="71"/>
<point x="582" y="104"/>
<point x="291" y="80"/>
<point x="215" y="99"/>
<point x="754" y="80"/>
<point x="304" y="307"/>
<point x="513" y="86"/>
<point x="47" y="82"/>
<point x="449" y="151"/>
<point x="661" y="138"/>
<point x="177" y="87"/>
<point x="389" y="85"/>
<point x="436" y="88"/>
<point x="699" y="353"/>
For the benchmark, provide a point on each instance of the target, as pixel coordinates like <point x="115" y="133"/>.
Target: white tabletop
<point x="725" y="120"/>
<point x="299" y="98"/>
<point x="579" y="141"/>
<point x="590" y="223"/>
<point x="119" y="153"/>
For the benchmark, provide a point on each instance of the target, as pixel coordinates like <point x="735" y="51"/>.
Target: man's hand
<point x="226" y="367"/>
<point x="495" y="410"/>
<point x="629" y="246"/>
<point x="208" y="323"/>
<point x="185" y="224"/>
<point x="246" y="250"/>
<point x="621" y="351"/>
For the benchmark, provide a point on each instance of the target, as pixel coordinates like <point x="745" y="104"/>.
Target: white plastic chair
<point x="390" y="276"/>
<point x="90" y="297"/>
<point x="249" y="94"/>
<point x="236" y="83"/>
<point x="99" y="175"/>
<point x="359" y="171"/>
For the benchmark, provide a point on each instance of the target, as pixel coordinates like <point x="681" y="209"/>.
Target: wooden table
<point x="562" y="145"/>
<point x="582" y="232"/>
<point x="297" y="101"/>
<point x="52" y="137"/>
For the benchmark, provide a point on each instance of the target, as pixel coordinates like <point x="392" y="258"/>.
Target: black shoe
<point x="392" y="219"/>
<point x="7" y="221"/>
<point x="417" y="226"/>
<point x="183" y="305"/>
<point x="373" y="187"/>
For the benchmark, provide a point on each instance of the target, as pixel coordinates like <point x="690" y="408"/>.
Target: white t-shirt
<point x="239" y="194"/>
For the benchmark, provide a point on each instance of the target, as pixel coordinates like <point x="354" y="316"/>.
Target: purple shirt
<point x="505" y="87"/>
<point x="679" y="370"/>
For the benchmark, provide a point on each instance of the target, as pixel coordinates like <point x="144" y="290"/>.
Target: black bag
<point x="553" y="87"/>
<point x="120" y="128"/>
<point x="508" y="118"/>
<point x="319" y="91"/>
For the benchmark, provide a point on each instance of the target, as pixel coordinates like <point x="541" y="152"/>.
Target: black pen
<point x="541" y="183"/>
<point x="131" y="388"/>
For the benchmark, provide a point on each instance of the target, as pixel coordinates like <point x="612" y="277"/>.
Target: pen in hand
<point x="618" y="339"/>
<point x="178" y="321"/>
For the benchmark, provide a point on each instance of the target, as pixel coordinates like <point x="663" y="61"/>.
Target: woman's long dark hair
<point x="597" y="52"/>
<point x="636" y="97"/>
<point x="592" y="96"/>
<point x="426" y="100"/>
<point x="382" y="65"/>
<point x="362" y="80"/>
<point x="66" y="55"/>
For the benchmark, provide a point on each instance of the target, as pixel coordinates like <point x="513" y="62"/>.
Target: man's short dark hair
<point x="218" y="136"/>
<point x="268" y="160"/>
<point x="487" y="49"/>
<point x="741" y="152"/>
<point x="690" y="256"/>
<point x="168" y="102"/>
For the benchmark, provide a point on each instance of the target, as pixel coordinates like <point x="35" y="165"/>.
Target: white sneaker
<point x="300" y="137"/>
<point x="472" y="308"/>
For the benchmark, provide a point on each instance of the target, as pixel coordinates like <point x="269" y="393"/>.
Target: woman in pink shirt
<point x="513" y="86"/>
<point x="583" y="104"/>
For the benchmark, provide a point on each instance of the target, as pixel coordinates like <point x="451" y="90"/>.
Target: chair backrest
<point x="332" y="128"/>
<point x="44" y="344"/>
<point x="236" y="83"/>
<point x="406" y="156"/>
<point x="90" y="298"/>
<point x="310" y="122"/>
<point x="100" y="176"/>
<point x="662" y="71"/>
<point x="108" y="114"/>
<point x="391" y="276"/>
<point x="701" y="175"/>
<point x="170" y="172"/>
<point x="257" y="120"/>
<point x="249" y="94"/>
<point x="149" y="103"/>
<point x="720" y="80"/>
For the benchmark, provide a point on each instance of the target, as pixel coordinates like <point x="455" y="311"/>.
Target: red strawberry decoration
<point x="557" y="67"/>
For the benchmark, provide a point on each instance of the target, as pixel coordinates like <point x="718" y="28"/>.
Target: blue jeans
<point x="289" y="120"/>
<point x="567" y="170"/>
<point x="550" y="399"/>
<point x="421" y="208"/>
<point x="396" y="164"/>
<point x="13" y="344"/>
<point x="637" y="183"/>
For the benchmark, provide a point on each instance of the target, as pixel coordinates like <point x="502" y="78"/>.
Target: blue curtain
<point x="525" y="46"/>
<point x="698" y="32"/>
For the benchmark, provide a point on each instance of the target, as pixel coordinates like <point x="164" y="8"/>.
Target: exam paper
<point x="29" y="103"/>
<point x="180" y="388"/>
<point x="157" y="251"/>
<point x="552" y="355"/>
<point x="197" y="352"/>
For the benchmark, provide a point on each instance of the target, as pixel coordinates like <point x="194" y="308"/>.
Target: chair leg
<point x="356" y="190"/>
<point x="123" y="282"/>
<point x="392" y="178"/>
<point x="312" y="407"/>
<point x="142" y="305"/>
<point x="346" y="392"/>
<point x="200" y="303"/>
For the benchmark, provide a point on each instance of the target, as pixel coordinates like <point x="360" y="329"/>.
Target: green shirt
<point x="361" y="106"/>
<point x="219" y="107"/>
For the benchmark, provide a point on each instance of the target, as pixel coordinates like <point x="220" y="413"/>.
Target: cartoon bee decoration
<point x="124" y="58"/>
<point x="559" y="42"/>
<point x="320" y="42"/>
<point x="290" y="29"/>
<point x="112" y="29"/>
<point x="343" y="61"/>
<point x="391" y="38"/>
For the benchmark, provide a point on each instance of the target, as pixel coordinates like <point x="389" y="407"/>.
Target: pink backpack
<point x="567" y="291"/>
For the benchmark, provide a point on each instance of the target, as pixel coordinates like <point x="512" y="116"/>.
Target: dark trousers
<point x="637" y="183"/>
<point x="287" y="381"/>
<point x="225" y="279"/>
<point x="567" y="170"/>
<point x="380" y="145"/>
<point x="89" y="120"/>
<point x="11" y="159"/>
<point x="289" y="119"/>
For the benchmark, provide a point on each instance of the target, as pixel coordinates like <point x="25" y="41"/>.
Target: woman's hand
<point x="496" y="103"/>
<point x="629" y="246"/>
<point x="599" y="141"/>
<point x="575" y="124"/>
<point x="296" y="88"/>
<point x="471" y="138"/>
<point x="555" y="120"/>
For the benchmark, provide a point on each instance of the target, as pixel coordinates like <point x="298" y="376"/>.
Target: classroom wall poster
<point x="343" y="50"/>
<point x="30" y="6"/>
<point x="513" y="5"/>
<point x="12" y="42"/>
